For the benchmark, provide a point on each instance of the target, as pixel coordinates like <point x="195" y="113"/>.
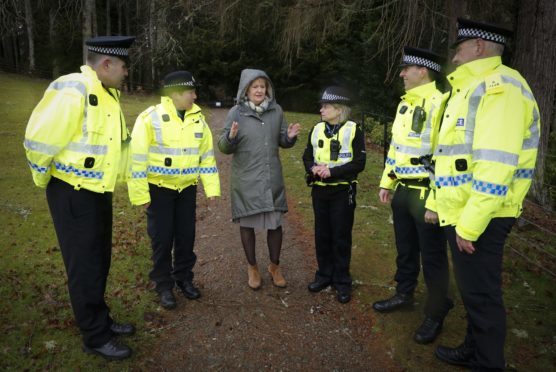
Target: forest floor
<point x="233" y="327"/>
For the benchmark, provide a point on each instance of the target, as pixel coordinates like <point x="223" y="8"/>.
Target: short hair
<point x="494" y="48"/>
<point x="93" y="58"/>
<point x="345" y="111"/>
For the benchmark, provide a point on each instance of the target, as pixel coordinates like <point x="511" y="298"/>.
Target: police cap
<point x="116" y="46"/>
<point x="335" y="94"/>
<point x="468" y="29"/>
<point x="179" y="79"/>
<point x="422" y="57"/>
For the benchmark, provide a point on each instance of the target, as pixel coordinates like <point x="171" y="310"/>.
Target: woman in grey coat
<point x="254" y="130"/>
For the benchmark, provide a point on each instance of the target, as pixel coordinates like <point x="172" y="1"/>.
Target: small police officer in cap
<point x="172" y="150"/>
<point x="414" y="136"/>
<point x="76" y="146"/>
<point x="484" y="163"/>
<point x="334" y="156"/>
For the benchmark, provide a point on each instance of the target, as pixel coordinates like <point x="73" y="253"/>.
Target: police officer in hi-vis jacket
<point x="414" y="136"/>
<point x="76" y="145"/>
<point x="172" y="150"/>
<point x="485" y="158"/>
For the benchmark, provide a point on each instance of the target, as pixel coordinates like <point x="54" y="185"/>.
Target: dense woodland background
<point x="304" y="45"/>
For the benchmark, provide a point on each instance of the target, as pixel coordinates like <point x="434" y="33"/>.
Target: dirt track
<point x="232" y="327"/>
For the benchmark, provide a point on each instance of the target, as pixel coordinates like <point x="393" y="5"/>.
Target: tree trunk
<point x="108" y="31"/>
<point x="30" y="37"/>
<point x="88" y="6"/>
<point x="536" y="60"/>
<point x="52" y="42"/>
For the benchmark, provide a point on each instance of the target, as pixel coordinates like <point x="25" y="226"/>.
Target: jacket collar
<point x="469" y="71"/>
<point x="92" y="75"/>
<point x="417" y="94"/>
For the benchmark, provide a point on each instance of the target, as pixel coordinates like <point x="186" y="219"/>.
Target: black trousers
<point x="479" y="279"/>
<point x="334" y="213"/>
<point x="416" y="242"/>
<point x="171" y="226"/>
<point x="83" y="224"/>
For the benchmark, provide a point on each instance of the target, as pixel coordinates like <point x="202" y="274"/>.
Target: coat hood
<point x="247" y="76"/>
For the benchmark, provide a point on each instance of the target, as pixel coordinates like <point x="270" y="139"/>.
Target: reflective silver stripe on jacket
<point x="157" y="127"/>
<point x="426" y="135"/>
<point x="139" y="157"/>
<point x="408" y="150"/>
<point x="516" y="83"/>
<point x="82" y="88"/>
<point x="41" y="147"/>
<point x="533" y="141"/>
<point x="498" y="156"/>
<point x="86" y="148"/>
<point x="467" y="147"/>
<point x="173" y="150"/>
<point x="207" y="154"/>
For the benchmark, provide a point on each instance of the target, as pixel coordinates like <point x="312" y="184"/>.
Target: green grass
<point x="36" y="321"/>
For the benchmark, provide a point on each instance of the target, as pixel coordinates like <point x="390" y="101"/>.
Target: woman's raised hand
<point x="233" y="130"/>
<point x="293" y="130"/>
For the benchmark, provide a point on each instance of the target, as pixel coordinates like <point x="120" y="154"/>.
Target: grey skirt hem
<point x="261" y="221"/>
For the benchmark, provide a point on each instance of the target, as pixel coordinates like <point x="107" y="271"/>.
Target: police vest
<point x="487" y="146"/>
<point x="322" y="147"/>
<point x="75" y="134"/>
<point x="170" y="152"/>
<point x="414" y="134"/>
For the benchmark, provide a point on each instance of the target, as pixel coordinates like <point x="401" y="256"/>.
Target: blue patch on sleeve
<point x="199" y="135"/>
<point x="460" y="122"/>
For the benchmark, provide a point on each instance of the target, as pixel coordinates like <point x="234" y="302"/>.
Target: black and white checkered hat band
<point x="185" y="83"/>
<point x="109" y="51"/>
<point x="333" y="97"/>
<point x="420" y="61"/>
<point x="481" y="34"/>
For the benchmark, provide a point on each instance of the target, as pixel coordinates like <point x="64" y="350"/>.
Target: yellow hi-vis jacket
<point x="487" y="147"/>
<point x="77" y="133"/>
<point x="408" y="145"/>
<point x="321" y="148"/>
<point x="171" y="153"/>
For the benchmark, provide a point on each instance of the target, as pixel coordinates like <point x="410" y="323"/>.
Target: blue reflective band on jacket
<point x="524" y="173"/>
<point x="78" y="172"/>
<point x="138" y="174"/>
<point x="458" y="180"/>
<point x="390" y="161"/>
<point x="37" y="168"/>
<point x="410" y="170"/>
<point x="489" y="188"/>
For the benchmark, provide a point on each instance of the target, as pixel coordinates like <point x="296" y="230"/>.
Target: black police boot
<point x="167" y="299"/>
<point x="428" y="331"/>
<point x="112" y="350"/>
<point x="462" y="355"/>
<point x="343" y="295"/>
<point x="189" y="290"/>
<point x="122" y="329"/>
<point x="398" y="301"/>
<point x="318" y="285"/>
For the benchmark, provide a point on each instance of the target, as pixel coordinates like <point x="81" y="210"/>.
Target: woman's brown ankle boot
<point x="254" y="277"/>
<point x="277" y="277"/>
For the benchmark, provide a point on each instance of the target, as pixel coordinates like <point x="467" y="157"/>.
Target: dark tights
<point x="274" y="241"/>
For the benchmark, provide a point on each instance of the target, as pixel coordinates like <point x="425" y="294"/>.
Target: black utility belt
<point x="421" y="182"/>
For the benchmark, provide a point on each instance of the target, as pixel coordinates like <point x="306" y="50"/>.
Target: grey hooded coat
<point x="257" y="184"/>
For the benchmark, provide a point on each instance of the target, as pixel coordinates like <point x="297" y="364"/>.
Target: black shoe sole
<point x="190" y="297"/>
<point x="409" y="307"/>
<point x="108" y="357"/>
<point x="169" y="307"/>
<point x="451" y="361"/>
<point x="317" y="290"/>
